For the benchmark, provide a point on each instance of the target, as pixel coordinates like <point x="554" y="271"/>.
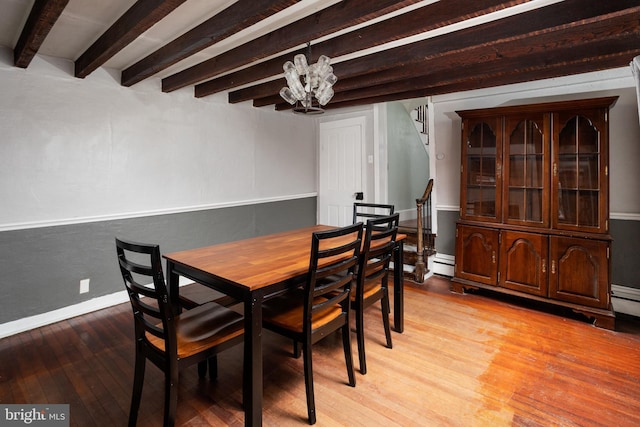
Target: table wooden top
<point x="255" y="262"/>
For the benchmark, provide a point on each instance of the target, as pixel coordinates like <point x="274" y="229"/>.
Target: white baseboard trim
<point x="625" y="300"/>
<point x="28" y="323"/>
<point x="39" y="320"/>
<point x="443" y="264"/>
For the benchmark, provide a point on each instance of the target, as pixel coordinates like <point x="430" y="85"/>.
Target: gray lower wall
<point x="446" y="238"/>
<point x="41" y="268"/>
<point x="625" y="261"/>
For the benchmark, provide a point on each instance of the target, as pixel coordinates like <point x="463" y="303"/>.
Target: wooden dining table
<point x="251" y="270"/>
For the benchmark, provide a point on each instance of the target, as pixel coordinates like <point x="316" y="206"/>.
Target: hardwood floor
<point x="463" y="360"/>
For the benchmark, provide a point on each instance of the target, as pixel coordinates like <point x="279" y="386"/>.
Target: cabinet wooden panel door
<point x="526" y="169"/>
<point x="580" y="199"/>
<point x="523" y="262"/>
<point x="477" y="254"/>
<point x="579" y="271"/>
<point x="481" y="169"/>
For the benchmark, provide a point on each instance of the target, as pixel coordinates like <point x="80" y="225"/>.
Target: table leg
<point x="173" y="280"/>
<point x="398" y="288"/>
<point x="252" y="388"/>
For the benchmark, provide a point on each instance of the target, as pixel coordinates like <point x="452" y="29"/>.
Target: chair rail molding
<point x="129" y="215"/>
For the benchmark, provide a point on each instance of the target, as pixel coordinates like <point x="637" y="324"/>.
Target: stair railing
<point x="424" y="224"/>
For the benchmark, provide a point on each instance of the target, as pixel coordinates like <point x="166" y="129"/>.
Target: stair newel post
<point x="419" y="271"/>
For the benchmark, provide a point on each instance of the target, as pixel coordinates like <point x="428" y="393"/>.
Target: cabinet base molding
<point x="601" y="318"/>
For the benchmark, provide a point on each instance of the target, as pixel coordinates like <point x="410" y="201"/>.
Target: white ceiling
<point x="83" y="21"/>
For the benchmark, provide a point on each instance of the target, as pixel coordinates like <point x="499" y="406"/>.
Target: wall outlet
<point x="84" y="286"/>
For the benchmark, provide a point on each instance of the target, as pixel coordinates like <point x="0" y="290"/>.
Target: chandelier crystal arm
<point x="306" y="82"/>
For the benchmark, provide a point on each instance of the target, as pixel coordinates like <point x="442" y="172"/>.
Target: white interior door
<point x="341" y="174"/>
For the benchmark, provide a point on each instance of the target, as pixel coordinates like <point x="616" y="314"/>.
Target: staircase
<point x="420" y="241"/>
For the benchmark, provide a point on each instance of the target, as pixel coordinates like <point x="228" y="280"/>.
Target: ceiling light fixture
<point x="309" y="87"/>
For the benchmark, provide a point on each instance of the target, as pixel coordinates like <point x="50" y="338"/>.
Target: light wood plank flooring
<point x="463" y="360"/>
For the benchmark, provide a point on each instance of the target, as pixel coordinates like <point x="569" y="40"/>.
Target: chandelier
<point x="309" y="87"/>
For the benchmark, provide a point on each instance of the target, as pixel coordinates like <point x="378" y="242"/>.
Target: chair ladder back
<point x="380" y="229"/>
<point x="379" y="244"/>
<point x="365" y="211"/>
<point x="377" y="267"/>
<point x="151" y="306"/>
<point x="330" y="281"/>
<point x="335" y="292"/>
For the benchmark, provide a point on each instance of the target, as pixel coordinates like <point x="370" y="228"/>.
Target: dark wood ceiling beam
<point x="575" y="38"/>
<point x="616" y="60"/>
<point x="342" y="15"/>
<point x="522" y="26"/>
<point x="238" y="16"/>
<point x="470" y="79"/>
<point x="538" y="62"/>
<point x="587" y="40"/>
<point x="42" y="17"/>
<point x="580" y="67"/>
<point x="481" y="82"/>
<point x="519" y="27"/>
<point x="135" y="21"/>
<point x="426" y="18"/>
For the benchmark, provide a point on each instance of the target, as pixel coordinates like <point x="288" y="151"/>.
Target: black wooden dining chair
<point x="168" y="338"/>
<point x="321" y="306"/>
<point x="362" y="212"/>
<point x="372" y="279"/>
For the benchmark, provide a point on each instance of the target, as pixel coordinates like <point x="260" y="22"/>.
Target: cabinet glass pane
<point x="526" y="178"/>
<point x="481" y="171"/>
<point x="526" y="138"/>
<point x="588" y="171"/>
<point x="525" y="171"/>
<point x="525" y="204"/>
<point x="578" y="171"/>
<point x="517" y="171"/>
<point x="481" y="201"/>
<point x="588" y="208"/>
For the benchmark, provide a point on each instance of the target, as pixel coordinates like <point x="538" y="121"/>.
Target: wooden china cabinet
<point x="534" y="205"/>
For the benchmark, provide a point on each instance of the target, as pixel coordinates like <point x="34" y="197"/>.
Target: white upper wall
<point x="73" y="149"/>
<point x="624" y="130"/>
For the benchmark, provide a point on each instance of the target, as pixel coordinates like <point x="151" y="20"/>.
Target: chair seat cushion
<point x="287" y="311"/>
<point x="203" y="327"/>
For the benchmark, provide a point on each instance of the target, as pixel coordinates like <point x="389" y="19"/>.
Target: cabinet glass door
<point x="526" y="170"/>
<point x="481" y="170"/>
<point x="578" y="172"/>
